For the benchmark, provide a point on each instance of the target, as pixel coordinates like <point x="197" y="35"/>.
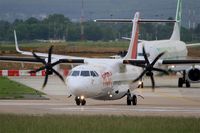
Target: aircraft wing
<point x="54" y="56"/>
<point x="134" y="62"/>
<point x="164" y="62"/>
<point x="130" y="21"/>
<point x="45" y="55"/>
<point x="34" y="60"/>
<point x="193" y="45"/>
<point x="179" y="64"/>
<point x="127" y="38"/>
<point x="18" y="59"/>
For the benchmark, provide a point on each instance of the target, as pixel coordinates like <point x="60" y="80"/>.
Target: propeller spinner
<point x="149" y="68"/>
<point x="48" y="66"/>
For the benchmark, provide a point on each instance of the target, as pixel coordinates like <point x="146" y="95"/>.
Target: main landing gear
<point x="131" y="99"/>
<point x="80" y="100"/>
<point x="183" y="80"/>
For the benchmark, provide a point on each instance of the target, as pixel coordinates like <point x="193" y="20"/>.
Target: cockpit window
<point x="85" y="73"/>
<point x="75" y="73"/>
<point x="96" y="73"/>
<point x="93" y="73"/>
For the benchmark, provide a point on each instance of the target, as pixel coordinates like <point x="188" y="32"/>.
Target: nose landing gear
<point x="80" y="101"/>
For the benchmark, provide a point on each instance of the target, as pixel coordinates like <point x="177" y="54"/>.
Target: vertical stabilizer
<point x="132" y="50"/>
<point x="177" y="26"/>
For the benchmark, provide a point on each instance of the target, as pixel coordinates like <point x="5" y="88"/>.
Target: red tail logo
<point x="135" y="44"/>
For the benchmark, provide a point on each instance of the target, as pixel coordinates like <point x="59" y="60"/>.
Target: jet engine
<point x="193" y="74"/>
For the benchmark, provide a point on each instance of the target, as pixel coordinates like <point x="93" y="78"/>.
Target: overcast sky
<point x="10" y="9"/>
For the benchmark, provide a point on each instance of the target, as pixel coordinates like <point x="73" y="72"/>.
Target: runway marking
<point x="32" y="104"/>
<point x="107" y="109"/>
<point x="137" y="109"/>
<point x="70" y="107"/>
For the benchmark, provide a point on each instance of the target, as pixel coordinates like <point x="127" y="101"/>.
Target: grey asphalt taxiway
<point x="167" y="100"/>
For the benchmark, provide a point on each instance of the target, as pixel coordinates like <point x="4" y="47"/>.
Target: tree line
<point x="57" y="27"/>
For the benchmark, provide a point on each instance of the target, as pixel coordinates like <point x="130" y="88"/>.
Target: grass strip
<point x="12" y="90"/>
<point x="96" y="124"/>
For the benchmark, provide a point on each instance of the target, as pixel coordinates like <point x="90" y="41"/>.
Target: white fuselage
<point x="113" y="78"/>
<point x="112" y="81"/>
<point x="172" y="49"/>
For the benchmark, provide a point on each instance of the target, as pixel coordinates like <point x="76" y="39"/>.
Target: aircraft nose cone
<point x="77" y="87"/>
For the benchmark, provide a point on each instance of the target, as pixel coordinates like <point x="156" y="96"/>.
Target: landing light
<point x="172" y="66"/>
<point x="140" y="82"/>
<point x="110" y="95"/>
<point x="82" y="97"/>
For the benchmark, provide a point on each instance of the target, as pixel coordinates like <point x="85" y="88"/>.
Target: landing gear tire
<point x="83" y="102"/>
<point x="187" y="84"/>
<point x="183" y="80"/>
<point x="128" y="102"/>
<point x="180" y="82"/>
<point x="78" y="102"/>
<point x="134" y="100"/>
<point x="131" y="99"/>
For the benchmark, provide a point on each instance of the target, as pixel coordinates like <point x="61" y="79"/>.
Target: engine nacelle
<point x="193" y="74"/>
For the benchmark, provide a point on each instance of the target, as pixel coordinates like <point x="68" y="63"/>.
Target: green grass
<point x="11" y="46"/>
<point x="13" y="90"/>
<point x="96" y="124"/>
<point x="110" y="44"/>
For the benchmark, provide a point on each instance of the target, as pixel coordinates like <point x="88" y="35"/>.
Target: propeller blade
<point x="145" y="56"/>
<point x="153" y="83"/>
<point x="157" y="58"/>
<point x="160" y="70"/>
<point x="48" y="66"/>
<point x="55" y="63"/>
<point x="141" y="75"/>
<point x="37" y="70"/>
<point x="149" y="67"/>
<point x="46" y="79"/>
<point x="38" y="58"/>
<point x="58" y="74"/>
<point x="49" y="54"/>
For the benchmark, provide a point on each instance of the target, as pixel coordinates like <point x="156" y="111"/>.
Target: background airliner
<point x="174" y="48"/>
<point x="112" y="79"/>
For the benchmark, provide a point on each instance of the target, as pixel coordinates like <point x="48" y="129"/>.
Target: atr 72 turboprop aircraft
<point x="112" y="79"/>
